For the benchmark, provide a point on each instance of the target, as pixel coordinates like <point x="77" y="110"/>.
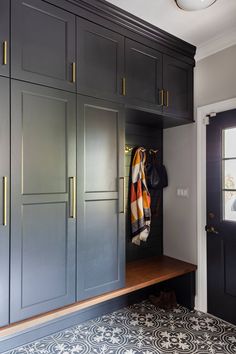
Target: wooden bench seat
<point x="139" y="274"/>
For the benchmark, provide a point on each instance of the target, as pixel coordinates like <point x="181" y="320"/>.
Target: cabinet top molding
<point x="120" y="17"/>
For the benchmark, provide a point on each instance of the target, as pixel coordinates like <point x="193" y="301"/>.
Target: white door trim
<point x="202" y="112"/>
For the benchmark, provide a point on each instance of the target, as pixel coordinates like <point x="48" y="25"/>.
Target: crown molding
<point x="216" y="44"/>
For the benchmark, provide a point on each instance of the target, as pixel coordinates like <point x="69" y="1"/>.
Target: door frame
<point x="202" y="113"/>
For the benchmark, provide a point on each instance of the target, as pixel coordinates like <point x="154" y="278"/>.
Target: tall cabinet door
<point x="4" y="201"/>
<point x="100" y="61"/>
<point x="100" y="171"/>
<point x="4" y="37"/>
<point x="43" y="158"/>
<point x="43" y="44"/>
<point x="143" y="72"/>
<point x="178" y="86"/>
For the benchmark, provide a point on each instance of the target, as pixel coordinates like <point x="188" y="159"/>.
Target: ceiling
<point x="216" y="24"/>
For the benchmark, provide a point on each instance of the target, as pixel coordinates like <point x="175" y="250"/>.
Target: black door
<point x="43" y="220"/>
<point x="178" y="88"/>
<point x="4" y="201"/>
<point x="221" y="215"/>
<point x="100" y="62"/>
<point x="143" y="72"/>
<point x="100" y="168"/>
<point x="4" y="37"/>
<point x="43" y="44"/>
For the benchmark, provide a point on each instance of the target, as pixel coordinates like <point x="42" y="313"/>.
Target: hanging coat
<point x="140" y="199"/>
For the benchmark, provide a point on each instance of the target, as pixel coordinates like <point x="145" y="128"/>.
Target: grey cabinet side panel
<point x="4" y="229"/>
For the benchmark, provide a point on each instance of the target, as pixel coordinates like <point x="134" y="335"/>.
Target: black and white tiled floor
<point x="141" y="329"/>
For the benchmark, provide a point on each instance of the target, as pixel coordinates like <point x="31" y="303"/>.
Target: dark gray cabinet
<point x="43" y="44"/>
<point x="178" y="88"/>
<point x="4" y="200"/>
<point x="4" y="37"/>
<point x="143" y="72"/>
<point x="100" y="213"/>
<point x="100" y="61"/>
<point x="43" y="223"/>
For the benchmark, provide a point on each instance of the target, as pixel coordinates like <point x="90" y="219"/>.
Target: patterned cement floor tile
<point x="141" y="329"/>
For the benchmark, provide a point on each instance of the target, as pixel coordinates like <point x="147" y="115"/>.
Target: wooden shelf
<point x="139" y="275"/>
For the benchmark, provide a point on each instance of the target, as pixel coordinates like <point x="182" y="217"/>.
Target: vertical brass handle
<point x="123" y="86"/>
<point x="73" y="72"/>
<point x="123" y="194"/>
<point x="4" y="201"/>
<point x="161" y="97"/>
<point x="4" y="45"/>
<point x="167" y="98"/>
<point x="72" y="213"/>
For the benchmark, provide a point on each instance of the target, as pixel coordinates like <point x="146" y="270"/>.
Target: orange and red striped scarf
<point x="140" y="199"/>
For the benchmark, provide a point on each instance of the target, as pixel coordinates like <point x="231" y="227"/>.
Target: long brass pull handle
<point x="4" y="45"/>
<point x="4" y="201"/>
<point x="161" y="97"/>
<point x="123" y="86"/>
<point x="73" y="72"/>
<point x="123" y="195"/>
<point x="72" y="213"/>
<point x="167" y="98"/>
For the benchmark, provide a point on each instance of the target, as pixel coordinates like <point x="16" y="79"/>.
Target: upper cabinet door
<point x="143" y="72"/>
<point x="43" y="199"/>
<point x="4" y="37"/>
<point x="43" y="44"/>
<point x="100" y="61"/>
<point x="100" y="172"/>
<point x="4" y="200"/>
<point x="178" y="88"/>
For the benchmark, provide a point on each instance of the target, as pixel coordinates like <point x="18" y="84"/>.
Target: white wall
<point x="215" y="80"/>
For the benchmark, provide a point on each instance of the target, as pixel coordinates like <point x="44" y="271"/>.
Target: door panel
<point x="4" y="36"/>
<point x="100" y="59"/>
<point x="4" y="172"/>
<point x="43" y="234"/>
<point x="221" y="216"/>
<point x="43" y="44"/>
<point x="143" y="71"/>
<point x="100" y="230"/>
<point x="178" y="81"/>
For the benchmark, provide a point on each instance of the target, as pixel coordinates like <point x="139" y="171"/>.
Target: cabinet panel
<point x="100" y="229"/>
<point x="143" y="71"/>
<point x="178" y="81"/>
<point x="4" y="37"/>
<point x="43" y="44"/>
<point x="4" y="204"/>
<point x="43" y="234"/>
<point x="100" y="54"/>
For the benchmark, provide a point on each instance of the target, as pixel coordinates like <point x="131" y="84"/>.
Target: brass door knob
<point x="211" y="230"/>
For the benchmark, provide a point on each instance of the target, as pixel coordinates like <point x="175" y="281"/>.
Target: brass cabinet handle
<point x="166" y="98"/>
<point x="72" y="185"/>
<point x="4" y="201"/>
<point x="73" y="72"/>
<point x="123" y="195"/>
<point x="4" y="45"/>
<point x="211" y="230"/>
<point x="161" y="97"/>
<point x="123" y="86"/>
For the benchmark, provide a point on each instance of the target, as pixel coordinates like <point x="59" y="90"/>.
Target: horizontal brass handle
<point x="211" y="230"/>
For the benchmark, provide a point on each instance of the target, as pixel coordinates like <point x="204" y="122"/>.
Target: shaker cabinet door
<point x="43" y="44"/>
<point x="4" y="200"/>
<point x="100" y="171"/>
<point x="178" y="86"/>
<point x="143" y="72"/>
<point x="43" y="158"/>
<point x="100" y="54"/>
<point x="4" y="37"/>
